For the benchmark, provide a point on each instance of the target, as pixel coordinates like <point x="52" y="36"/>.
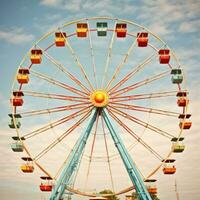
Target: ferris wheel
<point x="99" y="103"/>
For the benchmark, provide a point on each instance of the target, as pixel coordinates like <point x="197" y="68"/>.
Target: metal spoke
<point x="107" y="154"/>
<point x="118" y="69"/>
<point x="58" y="83"/>
<point x="57" y="96"/>
<point x="92" y="149"/>
<point x="93" y="57"/>
<point x="140" y="83"/>
<point x="145" y="109"/>
<point x="63" y="136"/>
<point x="140" y="122"/>
<point x="76" y="59"/>
<point x="65" y="71"/>
<point x="53" y="110"/>
<point x="133" y="72"/>
<point x="56" y="123"/>
<point x="142" y="96"/>
<point x="134" y="135"/>
<point x="108" y="58"/>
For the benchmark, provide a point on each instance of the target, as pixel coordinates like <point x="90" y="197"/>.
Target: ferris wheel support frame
<point x="75" y="157"/>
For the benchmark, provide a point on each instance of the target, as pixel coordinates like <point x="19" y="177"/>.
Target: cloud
<point x="51" y="3"/>
<point x="62" y="4"/>
<point x="105" y="7"/>
<point x="166" y="16"/>
<point x="190" y="26"/>
<point x="16" y="36"/>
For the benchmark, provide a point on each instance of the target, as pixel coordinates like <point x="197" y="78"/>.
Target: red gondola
<point x="164" y="56"/>
<point x="46" y="185"/>
<point x="142" y="39"/>
<point x="121" y="30"/>
<point x="182" y="99"/>
<point x="17" y="98"/>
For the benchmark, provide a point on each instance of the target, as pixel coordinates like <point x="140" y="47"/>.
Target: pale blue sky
<point x="22" y="22"/>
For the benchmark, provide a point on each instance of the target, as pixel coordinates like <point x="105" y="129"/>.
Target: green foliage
<point x="114" y="197"/>
<point x="136" y="197"/>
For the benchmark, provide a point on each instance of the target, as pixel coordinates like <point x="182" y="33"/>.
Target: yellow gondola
<point x="28" y="166"/>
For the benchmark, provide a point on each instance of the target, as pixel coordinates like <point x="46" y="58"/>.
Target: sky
<point x="23" y="22"/>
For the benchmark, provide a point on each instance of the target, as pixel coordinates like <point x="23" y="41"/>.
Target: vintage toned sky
<point x="22" y="22"/>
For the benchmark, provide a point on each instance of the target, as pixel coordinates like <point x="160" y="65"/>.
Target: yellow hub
<point x="99" y="98"/>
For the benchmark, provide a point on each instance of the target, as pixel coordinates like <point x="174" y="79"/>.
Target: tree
<point x="113" y="197"/>
<point x="136" y="197"/>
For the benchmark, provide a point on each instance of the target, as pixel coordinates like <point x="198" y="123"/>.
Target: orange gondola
<point x="151" y="186"/>
<point x="36" y="56"/>
<point x="164" y="56"/>
<point x="28" y="166"/>
<point x="169" y="167"/>
<point x="142" y="39"/>
<point x="184" y="123"/>
<point x="23" y="76"/>
<point x="121" y="30"/>
<point x="60" y="39"/>
<point x="17" y="99"/>
<point x="82" y="29"/>
<point x="46" y="185"/>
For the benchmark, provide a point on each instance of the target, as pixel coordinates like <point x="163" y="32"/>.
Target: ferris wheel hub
<point x="99" y="98"/>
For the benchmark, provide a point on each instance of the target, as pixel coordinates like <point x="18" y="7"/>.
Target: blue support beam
<point x="73" y="160"/>
<point x="127" y="160"/>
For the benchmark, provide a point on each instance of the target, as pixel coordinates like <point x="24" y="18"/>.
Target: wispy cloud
<point x="16" y="36"/>
<point x="105" y="6"/>
<point x="190" y="26"/>
<point x="164" y="16"/>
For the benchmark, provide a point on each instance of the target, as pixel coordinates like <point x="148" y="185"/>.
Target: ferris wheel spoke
<point x="92" y="149"/>
<point x="63" y="136"/>
<point x="118" y="69"/>
<point x="57" y="96"/>
<point x="142" y="96"/>
<point x="133" y="72"/>
<point x="93" y="58"/>
<point x="134" y="135"/>
<point x="76" y="59"/>
<point x="57" y="123"/>
<point x="140" y="83"/>
<point x="145" y="109"/>
<point x="108" y="58"/>
<point x="107" y="154"/>
<point x="58" y="83"/>
<point x="53" y="110"/>
<point x="65" y="71"/>
<point x="141" y="122"/>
